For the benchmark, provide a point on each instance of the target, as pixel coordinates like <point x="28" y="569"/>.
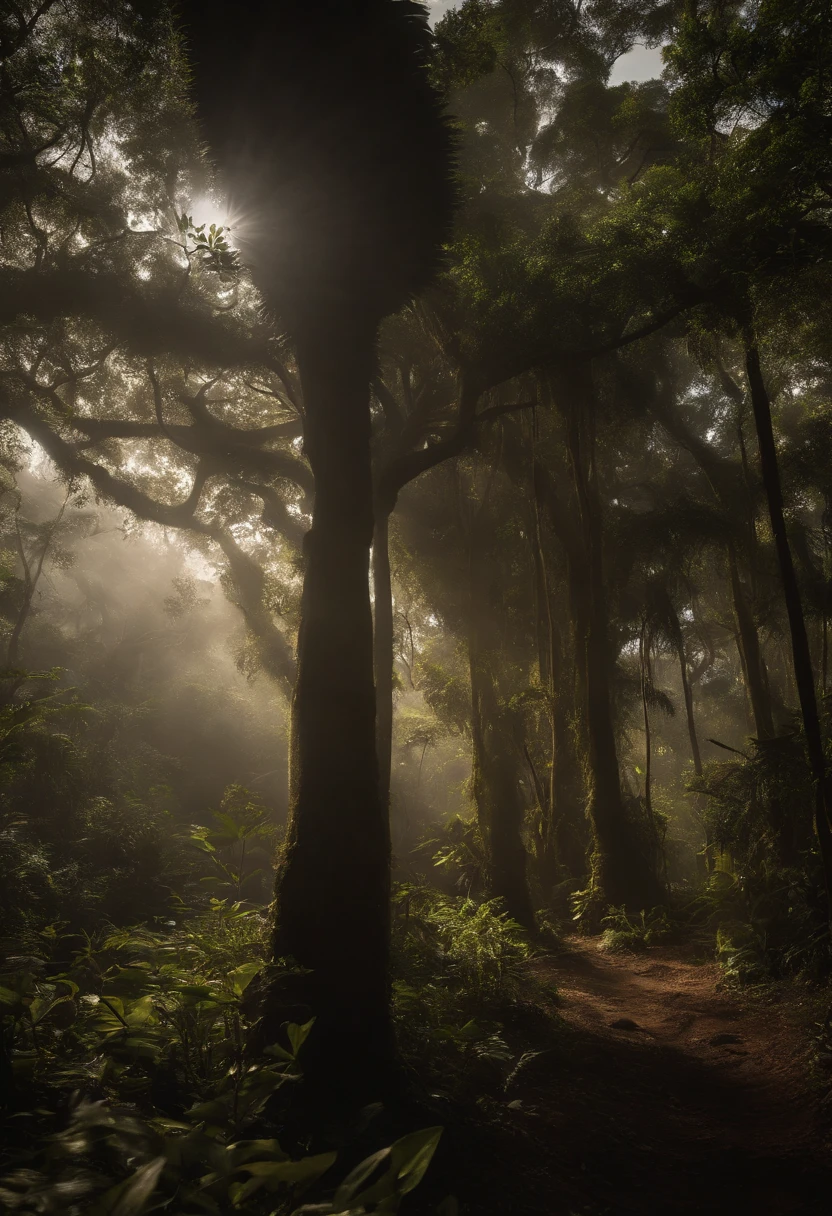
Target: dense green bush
<point x="767" y="901"/>
<point x="758" y="808"/>
<point x="629" y="932"/>
<point x="768" y="923"/>
<point x="129" y="1087"/>
<point x="457" y="967"/>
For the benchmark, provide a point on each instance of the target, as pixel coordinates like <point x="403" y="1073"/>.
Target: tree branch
<point x="147" y="322"/>
<point x="406" y="466"/>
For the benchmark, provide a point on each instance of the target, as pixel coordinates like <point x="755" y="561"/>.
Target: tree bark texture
<point x="333" y="885"/>
<point x="569" y="681"/>
<point x="644" y="664"/>
<point x="383" y="651"/>
<point x="495" y="773"/>
<point x="498" y="797"/>
<point x="619" y="874"/>
<point x="548" y="660"/>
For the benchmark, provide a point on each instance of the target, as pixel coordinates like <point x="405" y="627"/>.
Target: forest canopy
<point x="415" y="549"/>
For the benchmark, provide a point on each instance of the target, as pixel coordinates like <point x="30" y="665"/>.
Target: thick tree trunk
<point x="495" y="757"/>
<point x="383" y="651"/>
<point x="619" y="875"/>
<point x="548" y="655"/>
<point x="804" y="675"/>
<point x="569" y="681"/>
<point x="333" y="885"/>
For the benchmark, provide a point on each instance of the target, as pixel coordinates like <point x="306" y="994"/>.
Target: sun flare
<point x="207" y="210"/>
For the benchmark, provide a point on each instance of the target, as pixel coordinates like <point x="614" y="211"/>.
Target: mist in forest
<point x="133" y="617"/>
<point x="128" y="620"/>
<point x="415" y="597"/>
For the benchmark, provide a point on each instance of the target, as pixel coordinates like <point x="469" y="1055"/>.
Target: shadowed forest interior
<point x="415" y="607"/>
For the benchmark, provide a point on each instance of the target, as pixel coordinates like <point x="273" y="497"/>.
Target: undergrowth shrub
<point x="129" y="1088"/>
<point x="630" y="932"/>
<point x="457" y="966"/>
<point x="458" y="854"/>
<point x="768" y="923"/>
<point x="767" y="903"/>
<point x="759" y="807"/>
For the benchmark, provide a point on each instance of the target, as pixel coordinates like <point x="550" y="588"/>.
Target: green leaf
<point x="141" y="1012"/>
<point x="113" y="1009"/>
<point x="196" y="992"/>
<point x="40" y="1007"/>
<point x="278" y="1173"/>
<point x="411" y="1156"/>
<point x="356" y="1178"/>
<point x="131" y="1196"/>
<point x="408" y="1159"/>
<point x="244" y="1150"/>
<point x="280" y="1053"/>
<point x="299" y="1034"/>
<point x="242" y="976"/>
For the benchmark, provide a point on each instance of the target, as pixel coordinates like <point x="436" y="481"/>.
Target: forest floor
<point x="663" y="1091"/>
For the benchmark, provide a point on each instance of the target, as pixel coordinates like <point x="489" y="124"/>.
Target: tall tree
<point x="333" y="145"/>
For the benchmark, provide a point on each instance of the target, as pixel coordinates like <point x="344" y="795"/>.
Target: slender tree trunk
<point x="739" y="514"/>
<point x="804" y="675"/>
<point x="333" y="885"/>
<point x="824" y="674"/>
<point x="705" y="859"/>
<point x="659" y="864"/>
<point x="753" y="663"/>
<point x="687" y="693"/>
<point x="696" y="755"/>
<point x="383" y="651"/>
<point x="644" y="661"/>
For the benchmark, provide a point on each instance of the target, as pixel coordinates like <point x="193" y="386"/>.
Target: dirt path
<point x="698" y="1101"/>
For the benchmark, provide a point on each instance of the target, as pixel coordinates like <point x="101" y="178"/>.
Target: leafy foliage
<point x="458" y="967"/>
<point x="769" y="922"/>
<point x="146" y="1031"/>
<point x="624" y="932"/>
<point x="243" y="831"/>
